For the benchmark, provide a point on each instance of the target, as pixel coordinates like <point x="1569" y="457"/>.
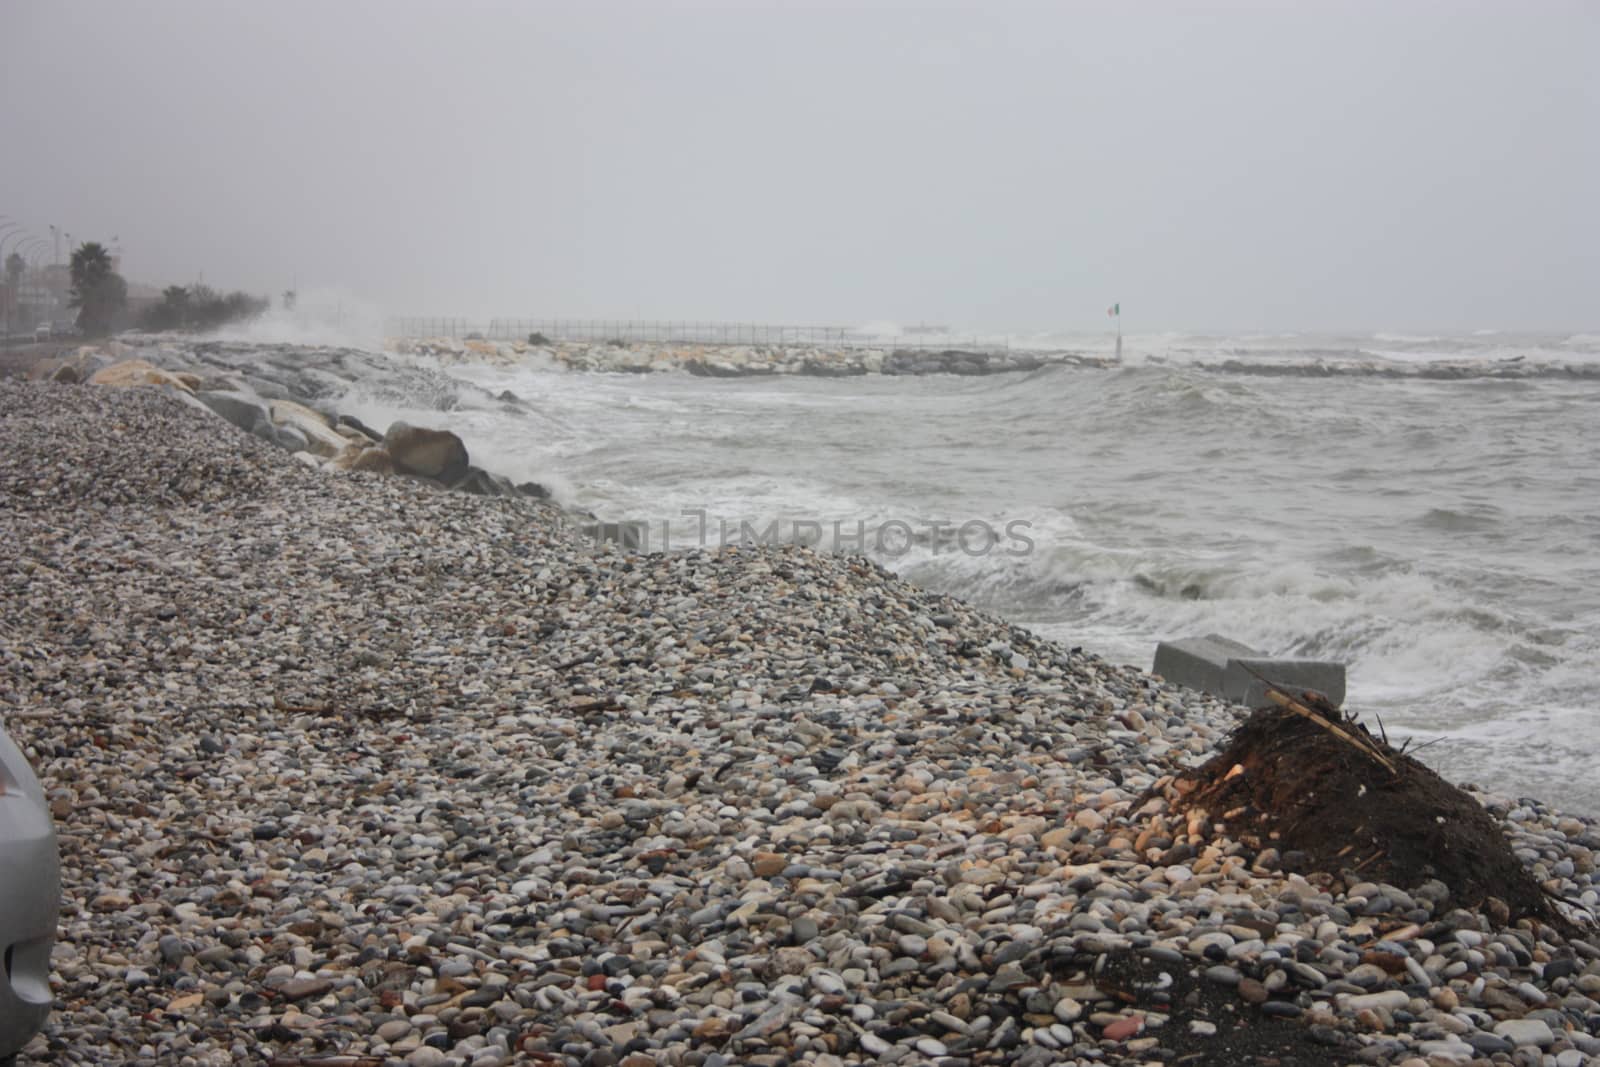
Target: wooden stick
<point x="1281" y="699"/>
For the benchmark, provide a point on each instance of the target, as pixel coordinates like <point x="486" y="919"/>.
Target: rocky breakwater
<point x="742" y="361"/>
<point x="348" y="771"/>
<point x="287" y="396"/>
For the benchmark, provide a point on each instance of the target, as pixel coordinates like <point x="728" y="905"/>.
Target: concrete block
<point x="1199" y="662"/>
<point x="1226" y="668"/>
<point x="1242" y="686"/>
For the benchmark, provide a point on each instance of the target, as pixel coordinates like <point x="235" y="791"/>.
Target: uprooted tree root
<point x="1334" y="799"/>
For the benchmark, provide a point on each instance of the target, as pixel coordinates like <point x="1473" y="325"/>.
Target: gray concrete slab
<point x="1199" y="662"/>
<point x="1241" y="684"/>
<point x="1240" y="674"/>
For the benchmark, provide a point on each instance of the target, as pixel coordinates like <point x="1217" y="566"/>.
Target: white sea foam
<point x="319" y="317"/>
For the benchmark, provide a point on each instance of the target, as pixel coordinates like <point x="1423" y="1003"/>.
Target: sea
<point x="1425" y="509"/>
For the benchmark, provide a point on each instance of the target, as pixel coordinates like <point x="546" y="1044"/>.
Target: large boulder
<point x="72" y="369"/>
<point x="136" y="372"/>
<point x="281" y="422"/>
<point x="285" y="437"/>
<point x="480" y="482"/>
<point x="321" y="438"/>
<point x="357" y="457"/>
<point x="713" y="368"/>
<point x="436" y="454"/>
<point x="347" y="423"/>
<point x="240" y="409"/>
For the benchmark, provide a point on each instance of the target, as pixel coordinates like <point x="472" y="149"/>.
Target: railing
<point x="678" y="332"/>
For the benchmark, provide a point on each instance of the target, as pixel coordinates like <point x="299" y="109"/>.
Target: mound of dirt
<point x="1355" y="807"/>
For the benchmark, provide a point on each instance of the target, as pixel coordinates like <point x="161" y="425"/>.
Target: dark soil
<point x="1329" y="806"/>
<point x="1245" y="1035"/>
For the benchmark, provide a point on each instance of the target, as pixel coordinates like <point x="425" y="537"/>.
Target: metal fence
<point x="684" y="332"/>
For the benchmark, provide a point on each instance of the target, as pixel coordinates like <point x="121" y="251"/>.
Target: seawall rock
<point x="314" y="427"/>
<point x="238" y="409"/>
<point x="436" y="454"/>
<point x="374" y="459"/>
<point x="745" y="361"/>
<point x="135" y="372"/>
<point x="285" y="395"/>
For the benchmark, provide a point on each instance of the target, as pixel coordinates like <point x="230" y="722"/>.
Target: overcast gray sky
<point x="1304" y="166"/>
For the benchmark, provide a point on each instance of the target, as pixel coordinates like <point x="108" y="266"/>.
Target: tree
<point x="199" y="307"/>
<point x="171" y="314"/>
<point x="98" y="292"/>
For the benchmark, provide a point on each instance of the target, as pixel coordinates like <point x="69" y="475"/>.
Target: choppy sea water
<point x="1440" y="536"/>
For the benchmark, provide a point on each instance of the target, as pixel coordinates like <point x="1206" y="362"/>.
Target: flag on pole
<point x="1115" y="310"/>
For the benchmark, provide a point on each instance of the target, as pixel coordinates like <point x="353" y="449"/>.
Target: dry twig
<point x="1283" y="700"/>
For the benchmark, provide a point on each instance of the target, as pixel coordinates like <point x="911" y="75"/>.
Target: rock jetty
<point x="349" y="771"/>
<point x="744" y="361"/>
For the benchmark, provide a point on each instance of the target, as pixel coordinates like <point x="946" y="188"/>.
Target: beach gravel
<point x="351" y="770"/>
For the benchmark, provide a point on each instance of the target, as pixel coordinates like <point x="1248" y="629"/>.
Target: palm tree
<point x="91" y="264"/>
<point x="98" y="292"/>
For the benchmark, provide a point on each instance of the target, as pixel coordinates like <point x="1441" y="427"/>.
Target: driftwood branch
<point x="1283" y="700"/>
<point x="1369" y="861"/>
<point x="1278" y="696"/>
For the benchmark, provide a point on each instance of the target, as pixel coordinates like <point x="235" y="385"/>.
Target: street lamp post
<point x="10" y="231"/>
<point x="30" y="247"/>
<point x="56" y="234"/>
<point x="34" y="250"/>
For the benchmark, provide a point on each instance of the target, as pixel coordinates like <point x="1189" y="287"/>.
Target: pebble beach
<point x="354" y="771"/>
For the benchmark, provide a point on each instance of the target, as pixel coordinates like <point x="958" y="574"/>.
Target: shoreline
<point x="756" y="361"/>
<point x="767" y="361"/>
<point x="346" y="766"/>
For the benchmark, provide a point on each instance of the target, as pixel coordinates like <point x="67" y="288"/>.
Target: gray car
<point x="30" y="900"/>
